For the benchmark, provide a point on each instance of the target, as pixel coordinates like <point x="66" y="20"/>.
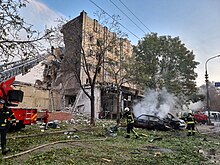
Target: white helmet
<point x="190" y="112"/>
<point x="2" y="101"/>
<point x="126" y="109"/>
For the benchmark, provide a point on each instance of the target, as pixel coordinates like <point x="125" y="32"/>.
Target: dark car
<point x="150" y="122"/>
<point x="174" y="122"/>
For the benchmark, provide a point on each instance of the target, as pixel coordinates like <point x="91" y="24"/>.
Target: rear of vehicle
<point x="201" y="118"/>
<point x="24" y="116"/>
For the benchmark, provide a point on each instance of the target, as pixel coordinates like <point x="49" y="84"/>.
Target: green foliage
<point x="163" y="61"/>
<point x="197" y="97"/>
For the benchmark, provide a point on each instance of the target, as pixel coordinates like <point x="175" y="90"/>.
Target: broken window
<point x="97" y="56"/>
<point x="70" y="99"/>
<point x="90" y="52"/>
<point x="98" y="42"/>
<point x="95" y="23"/>
<point x="91" y="38"/>
<point x="99" y="70"/>
<point x="87" y="81"/>
<point x="114" y="36"/>
<point x="105" y="32"/>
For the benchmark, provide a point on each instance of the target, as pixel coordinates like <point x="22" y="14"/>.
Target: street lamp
<point x="207" y="87"/>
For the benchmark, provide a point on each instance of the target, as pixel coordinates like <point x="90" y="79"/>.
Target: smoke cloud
<point x="157" y="103"/>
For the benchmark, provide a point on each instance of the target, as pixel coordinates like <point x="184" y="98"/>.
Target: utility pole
<point x="207" y="88"/>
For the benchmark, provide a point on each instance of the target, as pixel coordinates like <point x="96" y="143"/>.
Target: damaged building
<point x="68" y="72"/>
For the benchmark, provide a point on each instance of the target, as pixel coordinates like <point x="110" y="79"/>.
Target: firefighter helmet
<point x="126" y="109"/>
<point x="2" y="101"/>
<point x="190" y="112"/>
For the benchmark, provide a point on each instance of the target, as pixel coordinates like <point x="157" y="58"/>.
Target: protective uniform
<point x="130" y="123"/>
<point x="46" y="117"/>
<point x="5" y="114"/>
<point x="190" y="120"/>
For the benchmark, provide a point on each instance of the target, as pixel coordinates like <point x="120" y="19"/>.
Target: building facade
<point x="93" y="52"/>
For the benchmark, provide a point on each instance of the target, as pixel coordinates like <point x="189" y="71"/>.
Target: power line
<point x="114" y="19"/>
<point x="127" y="16"/>
<point x="135" y="16"/>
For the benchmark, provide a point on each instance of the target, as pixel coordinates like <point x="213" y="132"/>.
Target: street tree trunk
<point x="92" y="100"/>
<point x="119" y="95"/>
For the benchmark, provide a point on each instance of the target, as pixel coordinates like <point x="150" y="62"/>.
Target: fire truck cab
<point x="24" y="116"/>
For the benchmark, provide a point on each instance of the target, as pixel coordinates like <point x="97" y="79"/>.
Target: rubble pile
<point x="81" y="119"/>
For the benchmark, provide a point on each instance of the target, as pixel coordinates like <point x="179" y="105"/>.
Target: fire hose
<point x="52" y="143"/>
<point x="49" y="144"/>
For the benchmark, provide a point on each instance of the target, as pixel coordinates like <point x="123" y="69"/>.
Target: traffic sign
<point x="217" y="84"/>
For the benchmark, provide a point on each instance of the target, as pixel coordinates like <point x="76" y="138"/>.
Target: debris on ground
<point x="156" y="154"/>
<point x="106" y="159"/>
<point x="142" y="134"/>
<point x="70" y="134"/>
<point x="73" y="137"/>
<point x="157" y="138"/>
<point x="112" y="131"/>
<point x="52" y="124"/>
<point x="211" y="155"/>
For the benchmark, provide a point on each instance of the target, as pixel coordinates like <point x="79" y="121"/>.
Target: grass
<point x="172" y="148"/>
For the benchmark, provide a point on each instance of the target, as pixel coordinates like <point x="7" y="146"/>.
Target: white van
<point x="213" y="115"/>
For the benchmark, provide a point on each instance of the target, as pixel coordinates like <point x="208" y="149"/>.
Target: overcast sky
<point x="196" y="22"/>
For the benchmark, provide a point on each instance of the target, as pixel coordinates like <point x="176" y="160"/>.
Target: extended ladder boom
<point x="13" y="69"/>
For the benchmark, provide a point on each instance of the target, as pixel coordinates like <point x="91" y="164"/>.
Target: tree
<point x="88" y="47"/>
<point x="17" y="39"/>
<point x="118" y="69"/>
<point x="163" y="61"/>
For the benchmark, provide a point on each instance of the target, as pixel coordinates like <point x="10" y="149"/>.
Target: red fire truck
<point x="24" y="116"/>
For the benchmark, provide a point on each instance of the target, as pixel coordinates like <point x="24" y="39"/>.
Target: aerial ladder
<point x="8" y="72"/>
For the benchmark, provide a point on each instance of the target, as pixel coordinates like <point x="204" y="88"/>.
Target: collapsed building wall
<point x="83" y="104"/>
<point x="79" y="34"/>
<point x="64" y="82"/>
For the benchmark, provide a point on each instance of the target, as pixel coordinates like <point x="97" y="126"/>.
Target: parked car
<point x="150" y="122"/>
<point x="174" y="122"/>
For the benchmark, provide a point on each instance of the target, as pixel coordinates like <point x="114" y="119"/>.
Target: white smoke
<point x="157" y="103"/>
<point x="200" y="104"/>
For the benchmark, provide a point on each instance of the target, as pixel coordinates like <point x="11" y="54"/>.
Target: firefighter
<point x="130" y="123"/>
<point x="46" y="117"/>
<point x="190" y="120"/>
<point x="5" y="114"/>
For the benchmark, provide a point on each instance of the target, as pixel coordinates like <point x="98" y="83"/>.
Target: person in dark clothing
<point x="190" y="120"/>
<point x="5" y="114"/>
<point x="46" y="117"/>
<point x="130" y="123"/>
